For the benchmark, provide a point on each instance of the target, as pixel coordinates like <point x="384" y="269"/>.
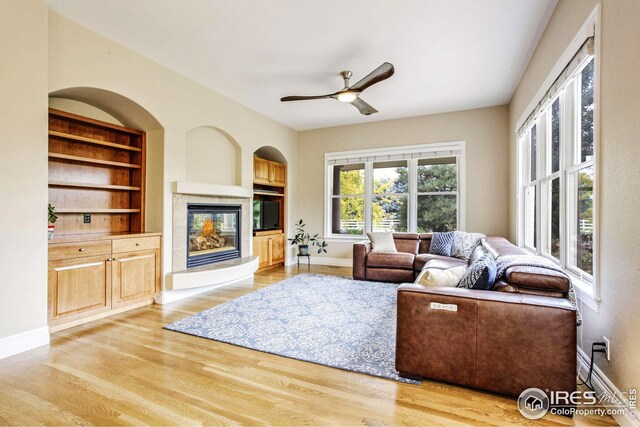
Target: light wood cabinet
<point x="95" y="278"/>
<point x="261" y="173"/>
<point x="277" y="249"/>
<point x="278" y="174"/>
<point x="269" y="248"/>
<point x="79" y="287"/>
<point x="135" y="276"/>
<point x="267" y="172"/>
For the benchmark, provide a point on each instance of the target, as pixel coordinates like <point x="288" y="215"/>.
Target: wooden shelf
<point x="94" y="161"/>
<point x="96" y="186"/>
<point x="93" y="141"/>
<point x="95" y="210"/>
<point x="266" y="193"/>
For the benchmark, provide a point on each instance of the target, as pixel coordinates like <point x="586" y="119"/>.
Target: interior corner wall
<point x="485" y="133"/>
<point x="23" y="166"/>
<point x="617" y="173"/>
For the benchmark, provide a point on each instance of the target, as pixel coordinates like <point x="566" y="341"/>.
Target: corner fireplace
<point x="213" y="233"/>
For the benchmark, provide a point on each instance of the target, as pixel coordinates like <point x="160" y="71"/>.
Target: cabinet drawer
<point x="59" y="251"/>
<point x="136" y="244"/>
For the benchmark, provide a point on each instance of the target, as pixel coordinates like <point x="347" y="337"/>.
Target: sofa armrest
<point x="360" y="251"/>
<point x="496" y="341"/>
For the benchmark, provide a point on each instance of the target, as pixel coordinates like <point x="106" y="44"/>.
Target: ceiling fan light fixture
<point x="347" y="96"/>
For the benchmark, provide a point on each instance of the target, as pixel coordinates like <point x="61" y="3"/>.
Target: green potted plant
<point x="303" y="239"/>
<point x="52" y="220"/>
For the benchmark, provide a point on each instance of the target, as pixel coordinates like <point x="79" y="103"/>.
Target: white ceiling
<point x="448" y="54"/>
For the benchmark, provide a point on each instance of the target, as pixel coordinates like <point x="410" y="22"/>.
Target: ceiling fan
<point x="351" y="94"/>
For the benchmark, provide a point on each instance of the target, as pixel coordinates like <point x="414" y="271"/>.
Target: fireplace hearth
<point x="213" y="233"/>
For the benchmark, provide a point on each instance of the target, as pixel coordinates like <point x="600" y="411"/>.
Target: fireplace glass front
<point x="213" y="234"/>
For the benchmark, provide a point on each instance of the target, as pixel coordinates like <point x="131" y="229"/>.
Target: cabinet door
<point x="261" y="250"/>
<point x="136" y="276"/>
<point x="277" y="249"/>
<point x="278" y="174"/>
<point x="261" y="171"/>
<point x="79" y="287"/>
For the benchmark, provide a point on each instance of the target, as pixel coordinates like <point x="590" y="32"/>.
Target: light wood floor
<point x="126" y="369"/>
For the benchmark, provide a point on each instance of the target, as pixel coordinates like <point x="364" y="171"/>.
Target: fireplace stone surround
<point x="182" y="282"/>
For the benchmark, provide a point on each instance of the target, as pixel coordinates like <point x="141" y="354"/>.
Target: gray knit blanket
<point x="505" y="262"/>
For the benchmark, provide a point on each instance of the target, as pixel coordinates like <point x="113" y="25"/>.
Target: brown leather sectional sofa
<point x="522" y="336"/>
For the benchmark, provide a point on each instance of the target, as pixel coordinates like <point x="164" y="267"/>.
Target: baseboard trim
<point x="320" y="260"/>
<point x="24" y="341"/>
<point x="167" y="297"/>
<point x="602" y="384"/>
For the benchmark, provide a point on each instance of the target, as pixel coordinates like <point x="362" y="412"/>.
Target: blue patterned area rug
<point x="328" y="320"/>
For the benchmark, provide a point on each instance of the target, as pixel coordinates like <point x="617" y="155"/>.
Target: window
<point x="416" y="189"/>
<point x="556" y="172"/>
<point x="347" y="199"/>
<point x="390" y="196"/>
<point x="437" y="186"/>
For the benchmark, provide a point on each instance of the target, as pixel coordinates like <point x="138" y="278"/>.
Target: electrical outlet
<point x="606" y="340"/>
<point x="87" y="218"/>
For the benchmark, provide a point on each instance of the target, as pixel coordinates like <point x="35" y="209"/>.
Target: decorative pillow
<point x="481" y="274"/>
<point x="382" y="242"/>
<point x="464" y="243"/>
<point x="441" y="243"/>
<point x="437" y="277"/>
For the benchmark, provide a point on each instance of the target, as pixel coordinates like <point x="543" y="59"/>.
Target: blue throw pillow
<point x="441" y="243"/>
<point x="481" y="274"/>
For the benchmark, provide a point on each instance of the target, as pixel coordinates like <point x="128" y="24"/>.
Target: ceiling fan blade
<point x="363" y="107"/>
<point x="304" y="98"/>
<point x="381" y="73"/>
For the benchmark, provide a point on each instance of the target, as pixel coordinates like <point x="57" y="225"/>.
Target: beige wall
<point x="619" y="153"/>
<point x="23" y="166"/>
<point x="79" y="57"/>
<point x="485" y="133"/>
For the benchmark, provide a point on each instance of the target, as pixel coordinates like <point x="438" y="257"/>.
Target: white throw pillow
<point x="382" y="242"/>
<point x="437" y="277"/>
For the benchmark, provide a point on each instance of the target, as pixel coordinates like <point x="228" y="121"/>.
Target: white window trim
<point x="587" y="293"/>
<point x="409" y="151"/>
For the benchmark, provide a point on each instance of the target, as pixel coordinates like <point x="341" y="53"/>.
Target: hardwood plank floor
<point x="126" y="370"/>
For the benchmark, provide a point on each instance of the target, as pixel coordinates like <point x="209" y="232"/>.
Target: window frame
<point x="587" y="285"/>
<point x="412" y="154"/>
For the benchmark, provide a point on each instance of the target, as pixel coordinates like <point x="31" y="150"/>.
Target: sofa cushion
<point x="437" y="261"/>
<point x="382" y="242"/>
<point x="437" y="277"/>
<point x="537" y="278"/>
<point x="407" y="242"/>
<point x="425" y="243"/>
<point x="499" y="246"/>
<point x="399" y="260"/>
<point x="441" y="244"/>
<point x="481" y="274"/>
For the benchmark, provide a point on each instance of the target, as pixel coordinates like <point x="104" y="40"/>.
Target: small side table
<point x="308" y="256"/>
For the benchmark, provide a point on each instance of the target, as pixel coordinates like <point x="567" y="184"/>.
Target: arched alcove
<point x="212" y="156"/>
<point x="270" y="153"/>
<point x="114" y="108"/>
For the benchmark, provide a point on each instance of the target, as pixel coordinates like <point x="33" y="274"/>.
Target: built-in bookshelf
<point x="95" y="168"/>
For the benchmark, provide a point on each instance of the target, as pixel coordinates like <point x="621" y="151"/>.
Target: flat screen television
<point x="266" y="215"/>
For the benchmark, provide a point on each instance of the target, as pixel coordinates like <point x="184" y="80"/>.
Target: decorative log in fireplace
<point x="213" y="233"/>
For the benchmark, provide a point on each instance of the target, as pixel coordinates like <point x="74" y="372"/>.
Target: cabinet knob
<point x="137" y="244"/>
<point x="114" y="259"/>
<point x="81" y="250"/>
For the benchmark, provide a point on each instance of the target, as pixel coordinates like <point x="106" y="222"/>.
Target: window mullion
<point x="412" y="200"/>
<point x="368" y="196"/>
